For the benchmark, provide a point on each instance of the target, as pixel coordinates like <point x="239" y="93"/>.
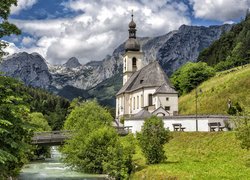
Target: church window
<point x="125" y="63"/>
<point x="150" y="99"/>
<point x="167" y="108"/>
<point x="134" y="66"/>
<point x="141" y="100"/>
<point x="134" y="103"/>
<point x="167" y="98"/>
<point x="137" y="102"/>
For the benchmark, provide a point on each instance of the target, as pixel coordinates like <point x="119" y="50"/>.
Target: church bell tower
<point x="132" y="60"/>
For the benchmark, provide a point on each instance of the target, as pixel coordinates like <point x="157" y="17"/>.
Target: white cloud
<point x="22" y="4"/>
<point x="26" y="41"/>
<point x="101" y="27"/>
<point x="222" y="10"/>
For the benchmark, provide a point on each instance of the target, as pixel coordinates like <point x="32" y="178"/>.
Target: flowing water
<point x="53" y="169"/>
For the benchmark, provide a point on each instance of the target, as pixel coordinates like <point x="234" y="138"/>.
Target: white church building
<point x="147" y="91"/>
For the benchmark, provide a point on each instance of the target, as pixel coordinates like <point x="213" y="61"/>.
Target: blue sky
<point x="91" y="29"/>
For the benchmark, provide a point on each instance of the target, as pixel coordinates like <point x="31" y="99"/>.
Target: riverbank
<point x="215" y="155"/>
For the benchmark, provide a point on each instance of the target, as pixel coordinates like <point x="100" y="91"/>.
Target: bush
<point x="189" y="76"/>
<point x="152" y="139"/>
<point x="243" y="130"/>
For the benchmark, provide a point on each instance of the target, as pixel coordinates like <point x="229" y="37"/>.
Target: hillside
<point x="198" y="156"/>
<point x="233" y="84"/>
<point x="232" y="49"/>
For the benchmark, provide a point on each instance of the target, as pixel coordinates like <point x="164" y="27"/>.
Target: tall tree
<point x="15" y="131"/>
<point x="6" y="28"/>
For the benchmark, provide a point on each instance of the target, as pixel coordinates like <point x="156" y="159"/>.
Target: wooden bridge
<point x="55" y="138"/>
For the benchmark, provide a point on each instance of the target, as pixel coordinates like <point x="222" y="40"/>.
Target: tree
<point x="39" y="122"/>
<point x="152" y="139"/>
<point x="6" y="28"/>
<point x="15" y="131"/>
<point x="95" y="146"/>
<point x="189" y="76"/>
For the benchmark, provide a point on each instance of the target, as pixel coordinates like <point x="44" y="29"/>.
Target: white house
<point x="145" y="88"/>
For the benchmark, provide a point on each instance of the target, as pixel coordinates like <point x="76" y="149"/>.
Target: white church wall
<point x="189" y="122"/>
<point x="172" y="102"/>
<point x="135" y="125"/>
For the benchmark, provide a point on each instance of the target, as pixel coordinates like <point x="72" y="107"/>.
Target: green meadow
<point x="233" y="84"/>
<point x="197" y="155"/>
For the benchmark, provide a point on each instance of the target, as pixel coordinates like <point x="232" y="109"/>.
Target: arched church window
<point x="125" y="63"/>
<point x="134" y="65"/>
<point x="150" y="99"/>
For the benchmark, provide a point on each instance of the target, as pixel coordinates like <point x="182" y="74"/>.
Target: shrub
<point x="152" y="139"/>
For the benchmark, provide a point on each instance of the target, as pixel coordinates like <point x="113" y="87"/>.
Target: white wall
<point x="172" y="102"/>
<point x="189" y="122"/>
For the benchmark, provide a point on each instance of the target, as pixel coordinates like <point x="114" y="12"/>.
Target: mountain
<point x="32" y="69"/>
<point x="72" y="63"/>
<point x="232" y="49"/>
<point x="233" y="84"/>
<point x="171" y="50"/>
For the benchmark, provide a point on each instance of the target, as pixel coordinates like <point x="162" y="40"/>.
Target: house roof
<point x="151" y="75"/>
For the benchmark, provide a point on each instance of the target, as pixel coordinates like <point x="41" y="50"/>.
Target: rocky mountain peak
<point x="30" y="68"/>
<point x="72" y="63"/>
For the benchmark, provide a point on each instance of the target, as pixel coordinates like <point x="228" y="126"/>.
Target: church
<point x="146" y="89"/>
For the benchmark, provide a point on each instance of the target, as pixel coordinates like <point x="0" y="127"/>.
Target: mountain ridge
<point x="171" y="50"/>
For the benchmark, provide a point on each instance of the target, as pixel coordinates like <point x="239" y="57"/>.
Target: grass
<point x="215" y="155"/>
<point x="233" y="84"/>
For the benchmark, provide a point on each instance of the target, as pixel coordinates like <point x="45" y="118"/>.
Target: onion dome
<point x="132" y="24"/>
<point x="132" y="45"/>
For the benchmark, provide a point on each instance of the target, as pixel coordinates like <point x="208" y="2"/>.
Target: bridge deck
<point x="58" y="137"/>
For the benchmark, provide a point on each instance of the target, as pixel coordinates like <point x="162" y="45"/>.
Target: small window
<point x="137" y="102"/>
<point x="150" y="99"/>
<point x="134" y="66"/>
<point x="134" y="103"/>
<point x="141" y="81"/>
<point x="167" y="98"/>
<point x="167" y="108"/>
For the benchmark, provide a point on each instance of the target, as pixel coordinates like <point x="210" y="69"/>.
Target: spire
<point x="132" y="44"/>
<point x="132" y="27"/>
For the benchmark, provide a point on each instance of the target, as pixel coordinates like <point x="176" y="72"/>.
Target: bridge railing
<point x="50" y="137"/>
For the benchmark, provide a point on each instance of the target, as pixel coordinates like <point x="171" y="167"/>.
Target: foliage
<point x="15" y="131"/>
<point x="54" y="108"/>
<point x="119" y="164"/>
<point x="233" y="84"/>
<point x="243" y="130"/>
<point x="231" y="50"/>
<point x="197" y="155"/>
<point x="6" y="28"/>
<point x="39" y="122"/>
<point x="95" y="146"/>
<point x="152" y="139"/>
<point x="191" y="75"/>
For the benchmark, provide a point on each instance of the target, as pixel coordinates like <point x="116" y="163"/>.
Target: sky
<point x="91" y="29"/>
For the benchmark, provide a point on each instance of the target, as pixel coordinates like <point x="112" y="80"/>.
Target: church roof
<point x="151" y="75"/>
<point x="165" y="89"/>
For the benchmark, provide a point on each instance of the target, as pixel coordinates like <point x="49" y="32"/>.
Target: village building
<point x="146" y="89"/>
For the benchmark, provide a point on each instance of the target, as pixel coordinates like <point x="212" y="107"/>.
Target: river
<point x="53" y="169"/>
